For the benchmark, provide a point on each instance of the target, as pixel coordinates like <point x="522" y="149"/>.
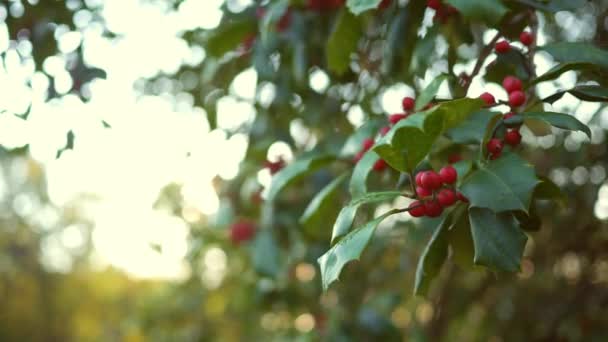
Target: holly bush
<point x="458" y="206"/>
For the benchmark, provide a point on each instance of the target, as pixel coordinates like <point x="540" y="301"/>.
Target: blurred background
<point x="135" y="133"/>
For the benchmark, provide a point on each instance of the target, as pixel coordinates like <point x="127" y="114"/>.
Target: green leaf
<point x="316" y="212"/>
<point x="430" y="91"/>
<point x="499" y="243"/>
<point x="559" y="120"/>
<point x="295" y="171"/>
<point x="266" y="254"/>
<point x="461" y="242"/>
<point x="530" y="222"/>
<point x="358" y="181"/>
<point x="228" y="36"/>
<point x="343" y="41"/>
<point x="472" y="130"/>
<point x="431" y="259"/>
<point x="555" y="5"/>
<point x="347" y="249"/>
<point x="577" y="52"/>
<point x="510" y="63"/>
<point x="489" y="11"/>
<point x="347" y="214"/>
<point x="559" y="69"/>
<point x="368" y="130"/>
<point x="502" y="185"/>
<point x="411" y="140"/>
<point x="547" y="190"/>
<point x="360" y="6"/>
<point x="590" y="93"/>
<point x="463" y="168"/>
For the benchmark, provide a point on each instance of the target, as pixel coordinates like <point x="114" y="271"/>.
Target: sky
<point x="158" y="140"/>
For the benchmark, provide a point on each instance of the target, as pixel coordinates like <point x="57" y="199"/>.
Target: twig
<point x="483" y="55"/>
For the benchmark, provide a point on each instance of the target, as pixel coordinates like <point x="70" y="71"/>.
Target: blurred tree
<point x="325" y="73"/>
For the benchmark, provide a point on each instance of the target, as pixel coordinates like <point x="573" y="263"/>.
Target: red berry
<point x="517" y="98"/>
<point x="275" y="167"/>
<point x="384" y="130"/>
<point x="461" y="197"/>
<point x="384" y="4"/>
<point x="367" y="144"/>
<point x="407" y="103"/>
<point x="423" y="192"/>
<point x="394" y="118"/>
<point x="446" y="197"/>
<point x="417" y="209"/>
<point x="429" y="106"/>
<point x="432" y="208"/>
<point x="358" y="156"/>
<point x="487" y="98"/>
<point x="448" y="174"/>
<point x="494" y="156"/>
<point x="434" y="4"/>
<point x="513" y="137"/>
<point x="419" y="178"/>
<point x="508" y="115"/>
<point x="430" y="180"/>
<point x="494" y="146"/>
<point x="502" y="46"/>
<point x="526" y="38"/>
<point x="511" y="84"/>
<point x="454" y="158"/>
<point x="380" y="165"/>
<point x="284" y="21"/>
<point x="242" y="231"/>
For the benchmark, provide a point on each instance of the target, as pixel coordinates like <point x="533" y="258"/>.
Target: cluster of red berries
<point x="504" y="46"/>
<point x="408" y="106"/>
<point x="242" y="231"/>
<point x="512" y="137"/>
<point x="435" y="192"/>
<point x="513" y="87"/>
<point x="442" y="11"/>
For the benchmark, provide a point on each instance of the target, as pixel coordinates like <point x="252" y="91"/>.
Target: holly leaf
<point x="461" y="242"/>
<point x="349" y="248"/>
<point x="577" y="52"/>
<point x="319" y="208"/>
<point x="343" y="41"/>
<point x="411" y="140"/>
<point x="489" y="11"/>
<point x="499" y="243"/>
<point x="295" y="171"/>
<point x="368" y="130"/>
<point x="428" y="93"/>
<point x="559" y="69"/>
<point x="504" y="184"/>
<point x="431" y="259"/>
<point x="360" y="6"/>
<point x="547" y="190"/>
<point x="472" y="130"/>
<point x="358" y="181"/>
<point x="590" y="93"/>
<point x="347" y="214"/>
<point x="559" y="120"/>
